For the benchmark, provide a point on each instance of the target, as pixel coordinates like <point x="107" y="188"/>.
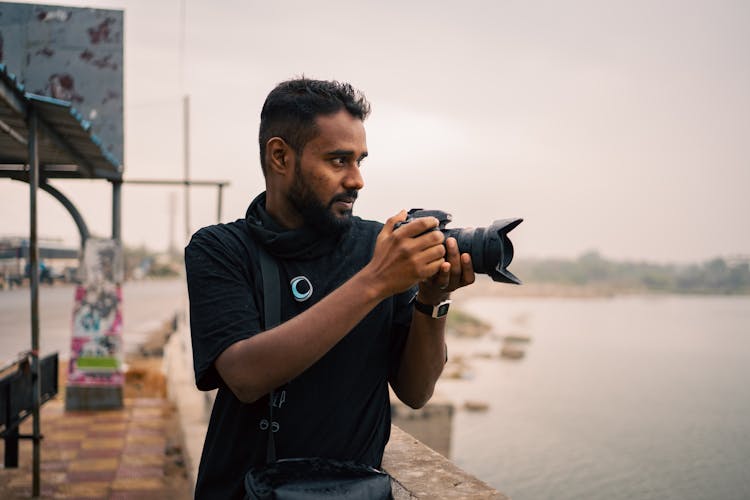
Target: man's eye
<point x="339" y="162"/>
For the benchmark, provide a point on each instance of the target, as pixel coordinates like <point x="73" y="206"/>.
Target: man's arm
<point x="254" y="366"/>
<point x="424" y="353"/>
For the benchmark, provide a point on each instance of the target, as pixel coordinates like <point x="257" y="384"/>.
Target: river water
<point x="630" y="397"/>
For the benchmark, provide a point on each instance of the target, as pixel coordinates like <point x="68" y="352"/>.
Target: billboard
<point x="73" y="54"/>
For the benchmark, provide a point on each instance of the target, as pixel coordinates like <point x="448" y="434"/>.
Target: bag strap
<point x="271" y="317"/>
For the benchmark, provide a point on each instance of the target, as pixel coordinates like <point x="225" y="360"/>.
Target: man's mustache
<point x="346" y="197"/>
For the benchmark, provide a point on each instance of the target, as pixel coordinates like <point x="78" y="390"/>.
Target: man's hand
<point x="407" y="255"/>
<point x="456" y="271"/>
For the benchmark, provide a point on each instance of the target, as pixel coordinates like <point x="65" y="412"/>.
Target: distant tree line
<point x="713" y="276"/>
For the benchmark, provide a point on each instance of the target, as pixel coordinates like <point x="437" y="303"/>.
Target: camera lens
<point x="490" y="248"/>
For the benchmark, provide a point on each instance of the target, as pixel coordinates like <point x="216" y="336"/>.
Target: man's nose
<point x="354" y="179"/>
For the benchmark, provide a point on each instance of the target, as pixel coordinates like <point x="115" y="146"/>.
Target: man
<point x="347" y="297"/>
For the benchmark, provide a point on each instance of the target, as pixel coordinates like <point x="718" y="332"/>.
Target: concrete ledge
<point x="193" y="406"/>
<point x="419" y="472"/>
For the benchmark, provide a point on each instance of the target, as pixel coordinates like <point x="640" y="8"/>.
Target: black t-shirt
<point x="338" y="407"/>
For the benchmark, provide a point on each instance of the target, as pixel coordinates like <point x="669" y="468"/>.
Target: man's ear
<point x="279" y="156"/>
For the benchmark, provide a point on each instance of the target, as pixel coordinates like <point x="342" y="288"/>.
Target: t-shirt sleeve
<point x="223" y="308"/>
<point x="402" y="314"/>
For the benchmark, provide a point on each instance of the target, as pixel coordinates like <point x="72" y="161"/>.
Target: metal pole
<point x="219" y="202"/>
<point x="172" y="226"/>
<point x="186" y="161"/>
<point x="34" y="278"/>
<point x="116" y="210"/>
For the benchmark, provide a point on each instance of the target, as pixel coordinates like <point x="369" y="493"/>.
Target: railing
<point x="17" y="398"/>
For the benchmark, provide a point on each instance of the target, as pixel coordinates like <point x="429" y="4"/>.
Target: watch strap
<point x="437" y="311"/>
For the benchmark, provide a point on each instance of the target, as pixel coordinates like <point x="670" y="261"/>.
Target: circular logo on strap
<point x="301" y="288"/>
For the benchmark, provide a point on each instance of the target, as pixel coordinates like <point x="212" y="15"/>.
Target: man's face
<point x="327" y="176"/>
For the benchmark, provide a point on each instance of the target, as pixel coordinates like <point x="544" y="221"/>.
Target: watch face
<point x="442" y="310"/>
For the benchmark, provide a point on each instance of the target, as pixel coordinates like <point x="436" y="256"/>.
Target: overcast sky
<point x="617" y="126"/>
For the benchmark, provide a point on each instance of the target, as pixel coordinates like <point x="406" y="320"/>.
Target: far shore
<point x="484" y="287"/>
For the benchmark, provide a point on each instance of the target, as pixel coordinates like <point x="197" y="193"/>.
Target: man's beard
<point x="317" y="215"/>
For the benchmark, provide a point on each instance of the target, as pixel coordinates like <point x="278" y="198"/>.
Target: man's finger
<point x="441" y="279"/>
<point x="467" y="269"/>
<point x="432" y="271"/>
<point x="418" y="226"/>
<point x="454" y="258"/>
<point x="433" y="254"/>
<point x="393" y="220"/>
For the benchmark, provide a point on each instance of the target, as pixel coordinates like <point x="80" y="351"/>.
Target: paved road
<point x="145" y="305"/>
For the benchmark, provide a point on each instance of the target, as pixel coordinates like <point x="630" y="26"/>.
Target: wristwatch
<point x="437" y="311"/>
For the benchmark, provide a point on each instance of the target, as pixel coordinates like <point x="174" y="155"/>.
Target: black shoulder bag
<point x="305" y="478"/>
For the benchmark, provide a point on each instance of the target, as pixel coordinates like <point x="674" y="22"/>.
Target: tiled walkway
<point x="116" y="454"/>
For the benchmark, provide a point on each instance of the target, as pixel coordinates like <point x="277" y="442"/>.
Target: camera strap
<point x="271" y="317"/>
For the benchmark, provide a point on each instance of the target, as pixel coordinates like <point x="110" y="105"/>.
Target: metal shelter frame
<point x="220" y="185"/>
<point x="43" y="138"/>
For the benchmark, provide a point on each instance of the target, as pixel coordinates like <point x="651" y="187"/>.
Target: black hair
<point x="291" y="108"/>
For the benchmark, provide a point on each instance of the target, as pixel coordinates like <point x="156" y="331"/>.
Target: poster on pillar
<point x="96" y="356"/>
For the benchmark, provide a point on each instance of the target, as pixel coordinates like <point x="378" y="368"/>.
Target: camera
<point x="490" y="248"/>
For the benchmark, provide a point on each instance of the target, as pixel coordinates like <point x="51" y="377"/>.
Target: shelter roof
<point x="67" y="148"/>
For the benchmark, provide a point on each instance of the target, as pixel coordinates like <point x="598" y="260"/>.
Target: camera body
<point x="490" y="248"/>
